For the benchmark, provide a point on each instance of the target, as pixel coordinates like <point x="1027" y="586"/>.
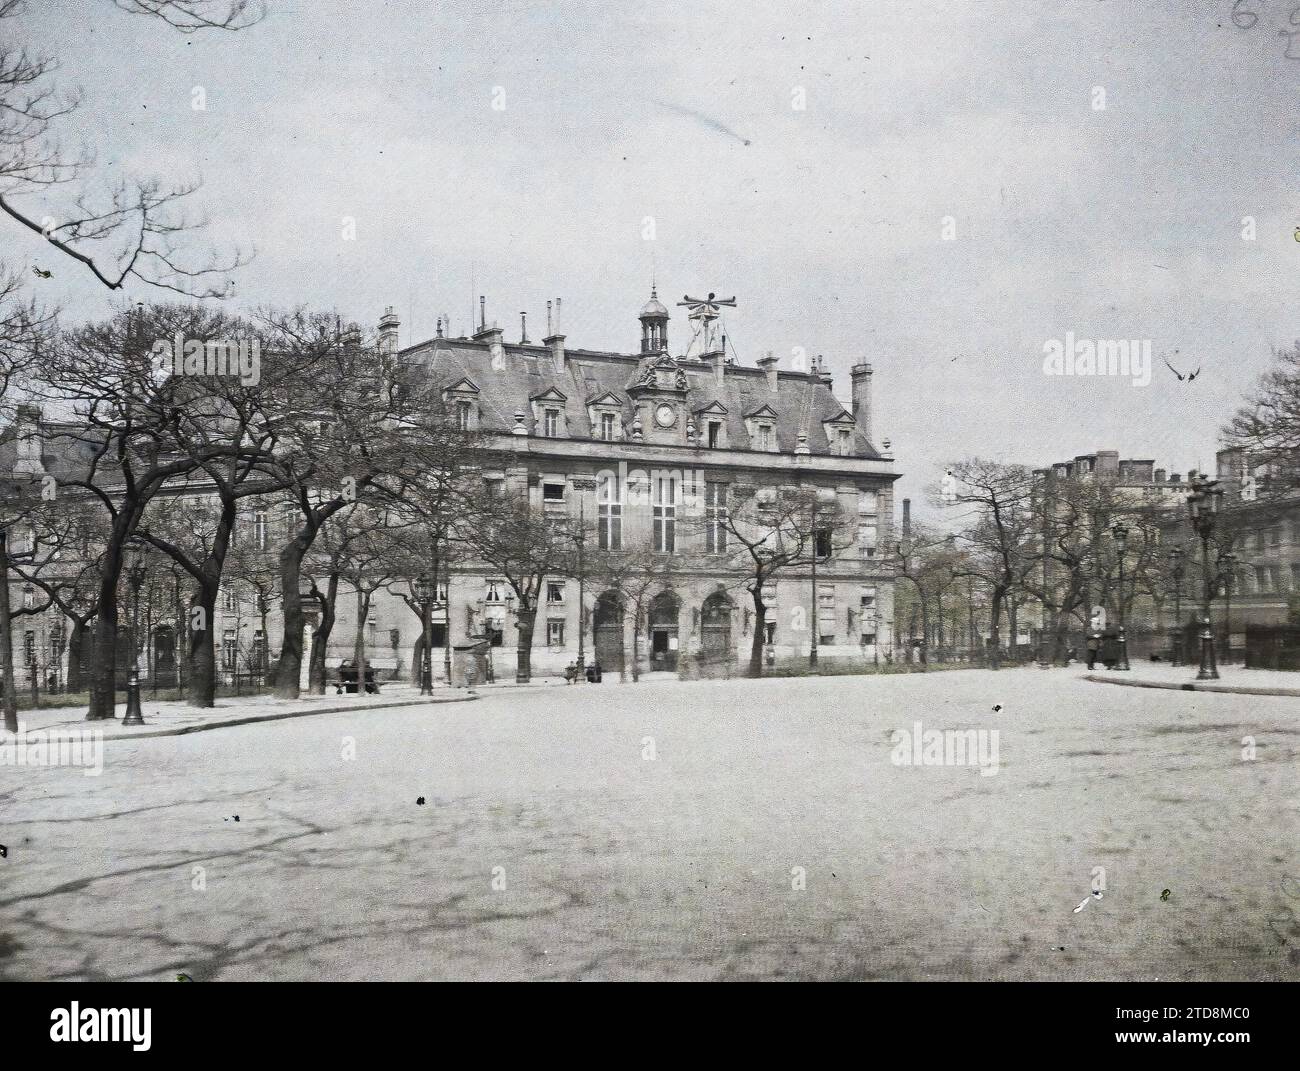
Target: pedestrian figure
<point x="1094" y="645"/>
<point x="571" y="673"/>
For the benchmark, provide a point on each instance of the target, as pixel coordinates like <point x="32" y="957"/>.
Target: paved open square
<point x="706" y="830"/>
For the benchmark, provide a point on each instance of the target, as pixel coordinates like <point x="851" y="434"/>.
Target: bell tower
<point x="654" y="325"/>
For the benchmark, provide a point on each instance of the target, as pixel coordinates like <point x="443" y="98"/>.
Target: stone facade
<point x="634" y="444"/>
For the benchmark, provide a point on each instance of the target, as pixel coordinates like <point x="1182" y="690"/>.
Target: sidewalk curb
<point x="281" y="716"/>
<point x="1195" y="686"/>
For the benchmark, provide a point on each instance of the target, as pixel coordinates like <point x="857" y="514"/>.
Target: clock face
<point x="665" y="416"/>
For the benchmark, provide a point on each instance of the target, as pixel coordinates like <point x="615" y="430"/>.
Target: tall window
<point x="665" y="514"/>
<point x="867" y="540"/>
<point x="261" y="529"/>
<point x="555" y="591"/>
<point x="259" y="651"/>
<point x="609" y="514"/>
<point x="462" y="415"/>
<point x="715" y="432"/>
<point x="845" y="442"/>
<point x="822" y="543"/>
<point x="607" y="427"/>
<point x="229" y="649"/>
<point x="551" y="423"/>
<point x="555" y="633"/>
<point x="229" y="600"/>
<point x="715" y="517"/>
<point x="765" y="437"/>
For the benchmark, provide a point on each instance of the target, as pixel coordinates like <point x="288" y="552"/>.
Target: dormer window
<point x="760" y="424"/>
<point x="715" y="433"/>
<point x="461" y="399"/>
<point x="549" y="418"/>
<point x="839" y="434"/>
<point x="605" y="416"/>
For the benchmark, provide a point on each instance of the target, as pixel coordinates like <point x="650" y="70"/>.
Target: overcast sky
<point x="826" y="223"/>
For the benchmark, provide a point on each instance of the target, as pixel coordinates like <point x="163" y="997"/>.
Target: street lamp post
<point x="1227" y="570"/>
<point x="580" y="540"/>
<point x="420" y="589"/>
<point x="135" y="572"/>
<point x="1178" y="569"/>
<point x="1120" y="532"/>
<point x="812" y="648"/>
<point x="1203" y="506"/>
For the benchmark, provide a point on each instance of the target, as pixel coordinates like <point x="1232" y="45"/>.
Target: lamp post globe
<point x="1203" y="507"/>
<point x="422" y="591"/>
<point x="1120" y="531"/>
<point x="135" y="574"/>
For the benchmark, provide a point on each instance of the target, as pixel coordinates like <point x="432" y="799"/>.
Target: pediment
<point x="551" y="394"/>
<point x="464" y="385"/>
<point x="763" y="410"/>
<point x="714" y="408"/>
<point x="607" y="398"/>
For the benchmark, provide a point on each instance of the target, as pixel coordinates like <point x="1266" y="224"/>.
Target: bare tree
<point x="999" y="535"/>
<point x="119" y="229"/>
<point x="523" y="544"/>
<point x="763" y="532"/>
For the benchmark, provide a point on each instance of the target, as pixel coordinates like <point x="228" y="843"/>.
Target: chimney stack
<point x="860" y="376"/>
<point x="718" y="358"/>
<point x="768" y="365"/>
<point x="482" y="312"/>
<point x="388" y="325"/>
<point x="555" y="338"/>
<point x="523" y="329"/>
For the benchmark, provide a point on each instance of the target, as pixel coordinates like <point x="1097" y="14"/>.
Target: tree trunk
<point x="288" y="670"/>
<point x="78" y="640"/>
<point x="995" y="629"/>
<point x="320" y="638"/>
<point x="1013" y="621"/>
<point x="103" y="671"/>
<point x="760" y="627"/>
<point x="202" y="654"/>
<point x="636" y="643"/>
<point x="359" y="641"/>
<point x="10" y="691"/>
<point x="524" y="651"/>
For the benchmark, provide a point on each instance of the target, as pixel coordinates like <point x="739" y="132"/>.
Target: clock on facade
<point x="665" y="416"/>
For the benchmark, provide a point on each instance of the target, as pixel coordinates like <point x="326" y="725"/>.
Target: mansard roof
<point x="800" y="403"/>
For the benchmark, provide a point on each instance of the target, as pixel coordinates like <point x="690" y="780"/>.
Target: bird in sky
<point x="1181" y="377"/>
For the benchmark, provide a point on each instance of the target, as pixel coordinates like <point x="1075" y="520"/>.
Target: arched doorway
<point x="607" y="628"/>
<point x="715" y="628"/>
<point x="664" y="611"/>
